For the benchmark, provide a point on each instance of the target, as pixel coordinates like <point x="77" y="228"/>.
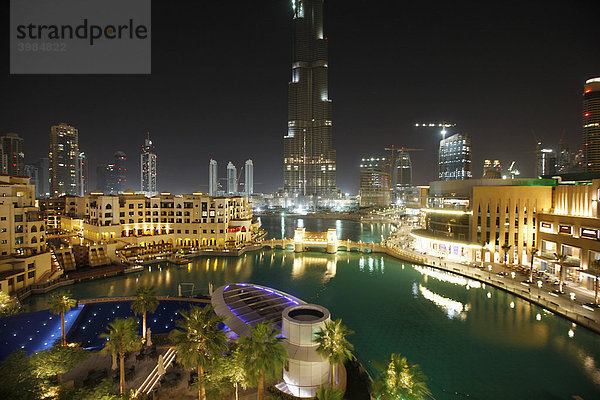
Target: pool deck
<point x="574" y="310"/>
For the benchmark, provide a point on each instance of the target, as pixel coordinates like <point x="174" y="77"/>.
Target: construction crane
<point x="391" y="165"/>
<point x="442" y="125"/>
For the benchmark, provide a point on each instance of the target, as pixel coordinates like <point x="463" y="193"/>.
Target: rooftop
<point x="246" y="304"/>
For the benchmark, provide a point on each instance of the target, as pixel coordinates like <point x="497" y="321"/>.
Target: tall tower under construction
<point x="309" y="159"/>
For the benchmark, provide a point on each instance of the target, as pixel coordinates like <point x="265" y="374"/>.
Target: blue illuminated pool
<point x="38" y="330"/>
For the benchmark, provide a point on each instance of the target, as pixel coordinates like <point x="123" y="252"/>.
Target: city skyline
<point x="482" y="73"/>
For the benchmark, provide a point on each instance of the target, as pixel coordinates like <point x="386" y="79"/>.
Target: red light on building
<point x="587" y="91"/>
<point x="586" y="114"/>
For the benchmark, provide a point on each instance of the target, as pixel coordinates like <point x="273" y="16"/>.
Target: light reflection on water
<point x="526" y="350"/>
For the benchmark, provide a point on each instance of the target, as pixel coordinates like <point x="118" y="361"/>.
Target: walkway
<point x="573" y="309"/>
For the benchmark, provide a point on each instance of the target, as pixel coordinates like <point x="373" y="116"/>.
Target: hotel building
<point x="24" y="258"/>
<point x="195" y="221"/>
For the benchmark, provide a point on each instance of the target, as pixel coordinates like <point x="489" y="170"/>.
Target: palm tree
<point x="532" y="254"/>
<point x="595" y="270"/>
<point x="263" y="354"/>
<point x="60" y="303"/>
<point x="145" y="302"/>
<point x="122" y="338"/>
<point x="560" y="259"/>
<point x="199" y="341"/>
<point x="334" y="345"/>
<point x="400" y="380"/>
<point x="505" y="248"/>
<point x="329" y="393"/>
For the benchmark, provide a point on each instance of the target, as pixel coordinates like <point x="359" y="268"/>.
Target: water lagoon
<point x="470" y="339"/>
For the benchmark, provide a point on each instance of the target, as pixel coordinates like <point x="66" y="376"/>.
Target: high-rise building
<point x="249" y="178"/>
<point x="148" y="168"/>
<point x="83" y="174"/>
<point x="374" y="187"/>
<point x="12" y="149"/>
<point x="3" y="162"/>
<point x="455" y="157"/>
<point x="545" y="162"/>
<point x="106" y="179"/>
<point x="402" y="175"/>
<point x="231" y="178"/>
<point x="213" y="177"/>
<point x="309" y="167"/>
<point x="120" y="172"/>
<point x="64" y="160"/>
<point x="563" y="157"/>
<point x="591" y="125"/>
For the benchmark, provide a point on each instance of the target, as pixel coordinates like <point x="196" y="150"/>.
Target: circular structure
<point x="306" y="370"/>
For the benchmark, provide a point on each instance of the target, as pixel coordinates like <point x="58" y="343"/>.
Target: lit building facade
<point x="148" y="168"/>
<point x="471" y="220"/>
<point x="24" y="258"/>
<point x="190" y="220"/>
<point x="309" y="163"/>
<point x="12" y="149"/>
<point x="232" y="182"/>
<point x="571" y="227"/>
<point x="591" y="125"/>
<point x="455" y="157"/>
<point x="249" y="178"/>
<point x="64" y="160"/>
<point x="374" y="190"/>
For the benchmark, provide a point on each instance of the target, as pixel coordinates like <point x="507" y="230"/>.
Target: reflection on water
<point x="453" y="308"/>
<point x="447" y="277"/>
<point x="283" y="227"/>
<point x="473" y="338"/>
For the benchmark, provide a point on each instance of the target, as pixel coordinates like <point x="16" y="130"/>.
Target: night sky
<point x="218" y="88"/>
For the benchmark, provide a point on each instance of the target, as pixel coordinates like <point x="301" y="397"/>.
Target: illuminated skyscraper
<point x="12" y="149"/>
<point x="249" y="178"/>
<point x="309" y="159"/>
<point x="148" y="168"/>
<point x="231" y="178"/>
<point x="591" y="125"/>
<point x="64" y="160"/>
<point x="82" y="174"/>
<point x="213" y="177"/>
<point x="455" y="157"/>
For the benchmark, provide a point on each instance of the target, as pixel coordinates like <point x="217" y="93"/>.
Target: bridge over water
<point x="303" y="241"/>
